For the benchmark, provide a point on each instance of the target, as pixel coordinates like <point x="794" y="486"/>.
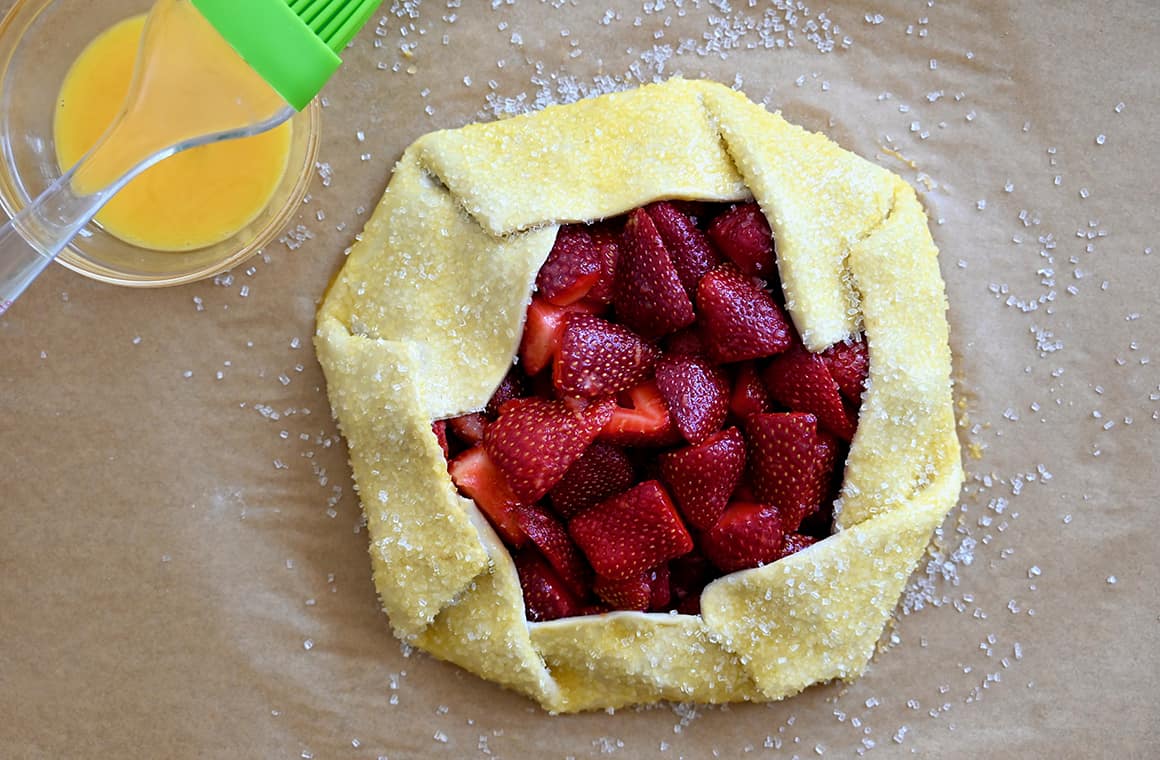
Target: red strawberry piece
<point x="749" y="393"/>
<point x="633" y="593"/>
<point x="597" y="357"/>
<point x="698" y="211"/>
<point x="648" y="296"/>
<point x="476" y="475"/>
<point x="543" y="331"/>
<point x="644" y="591"/>
<point x="744" y="490"/>
<point x="790" y="463"/>
<point x="794" y="543"/>
<point x="747" y="535"/>
<point x="703" y="477"/>
<point x="739" y="320"/>
<point x="546" y="596"/>
<point x="607" y="244"/>
<point x="687" y="342"/>
<point x="849" y="364"/>
<point x="800" y="381"/>
<point x="687" y="576"/>
<point x="819" y="520"/>
<point x="600" y="472"/>
<point x="553" y="541"/>
<point x="662" y="592"/>
<point x="572" y="268"/>
<point x="534" y="441"/>
<point x="439" y="428"/>
<point x="742" y="233"/>
<point x="468" y="427"/>
<point x="696" y="393"/>
<point x="688" y="248"/>
<point x="513" y="385"/>
<point x="631" y="532"/>
<point x="644" y="422"/>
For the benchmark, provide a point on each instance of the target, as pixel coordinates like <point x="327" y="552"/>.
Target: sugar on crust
<point x="425" y="317"/>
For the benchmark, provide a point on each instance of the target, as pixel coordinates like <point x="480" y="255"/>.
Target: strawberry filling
<point x="663" y="424"/>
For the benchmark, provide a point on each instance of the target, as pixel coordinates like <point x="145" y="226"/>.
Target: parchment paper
<point x="182" y="567"/>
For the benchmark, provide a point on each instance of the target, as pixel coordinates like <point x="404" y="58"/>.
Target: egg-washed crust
<point x="425" y="317"/>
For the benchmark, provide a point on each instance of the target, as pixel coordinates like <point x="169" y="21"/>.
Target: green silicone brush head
<point x="292" y="44"/>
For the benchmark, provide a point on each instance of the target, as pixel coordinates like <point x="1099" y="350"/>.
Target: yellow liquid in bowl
<point x="191" y="200"/>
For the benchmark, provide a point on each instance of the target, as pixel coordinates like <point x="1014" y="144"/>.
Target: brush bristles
<point x="334" y="21"/>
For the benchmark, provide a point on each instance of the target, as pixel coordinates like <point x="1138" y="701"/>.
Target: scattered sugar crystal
<point x="1111" y="580"/>
<point x="308" y="644"/>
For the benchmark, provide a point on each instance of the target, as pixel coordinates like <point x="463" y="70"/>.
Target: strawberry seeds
<point x="663" y="424"/>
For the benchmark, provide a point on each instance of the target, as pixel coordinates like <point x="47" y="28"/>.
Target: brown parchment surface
<point x="182" y="567"/>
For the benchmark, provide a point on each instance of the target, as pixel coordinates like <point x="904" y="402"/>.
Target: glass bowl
<point x="39" y="39"/>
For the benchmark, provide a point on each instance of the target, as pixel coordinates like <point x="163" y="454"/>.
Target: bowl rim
<point x="12" y="195"/>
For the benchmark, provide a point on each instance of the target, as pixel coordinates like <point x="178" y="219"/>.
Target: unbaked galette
<point x="647" y="398"/>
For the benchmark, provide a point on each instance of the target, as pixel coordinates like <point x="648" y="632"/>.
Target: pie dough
<point x="425" y="317"/>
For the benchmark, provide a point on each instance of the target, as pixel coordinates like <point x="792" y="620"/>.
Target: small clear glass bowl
<point x="39" y="39"/>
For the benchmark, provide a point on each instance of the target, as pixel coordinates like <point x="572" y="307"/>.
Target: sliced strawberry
<point x="645" y="422"/>
<point x="546" y="596"/>
<point x="747" y="535"/>
<point x="688" y="247"/>
<point x="739" y="320"/>
<point x="631" y="532"/>
<point x="687" y="342"/>
<point x="439" y="428"/>
<point x="688" y="574"/>
<point x="662" y="592"/>
<point x="790" y="463"/>
<point x="597" y="357"/>
<point x="703" y="477"/>
<point x="476" y="475"/>
<point x="696" y="393"/>
<point x="553" y="541"/>
<point x="698" y="211"/>
<point x="649" y="297"/>
<point x="543" y="331"/>
<point x="572" y="268"/>
<point x="642" y="592"/>
<point x="607" y="244"/>
<point x="800" y="380"/>
<point x="534" y="441"/>
<point x="600" y="472"/>
<point x="794" y="543"/>
<point x="742" y="233"/>
<point x="468" y="427"/>
<point x="749" y="393"/>
<point x="513" y="385"/>
<point x="849" y="364"/>
<point x="633" y="593"/>
<point x="744" y="490"/>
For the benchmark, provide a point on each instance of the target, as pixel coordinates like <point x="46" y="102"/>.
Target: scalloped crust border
<point x="415" y="329"/>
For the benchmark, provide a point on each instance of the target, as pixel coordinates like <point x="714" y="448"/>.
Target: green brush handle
<point x="292" y="44"/>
